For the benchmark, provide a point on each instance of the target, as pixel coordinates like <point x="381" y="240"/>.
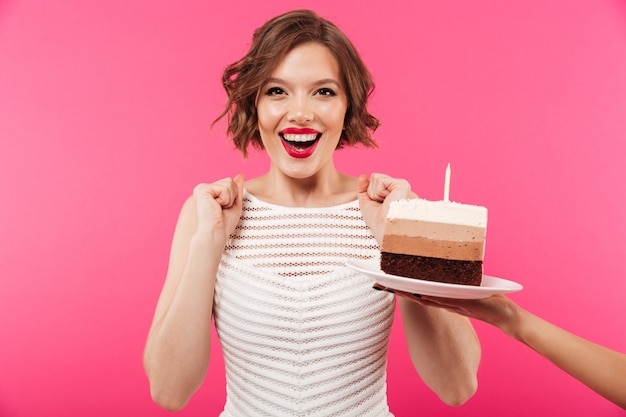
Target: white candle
<point x="446" y="188"/>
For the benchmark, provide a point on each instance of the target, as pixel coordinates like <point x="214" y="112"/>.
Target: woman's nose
<point x="300" y="111"/>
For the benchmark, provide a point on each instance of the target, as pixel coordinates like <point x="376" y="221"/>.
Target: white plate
<point x="489" y="286"/>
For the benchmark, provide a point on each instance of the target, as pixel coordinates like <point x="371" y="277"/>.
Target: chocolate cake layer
<point x="432" y="269"/>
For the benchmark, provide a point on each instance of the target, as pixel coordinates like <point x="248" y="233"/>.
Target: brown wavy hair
<point x="271" y="42"/>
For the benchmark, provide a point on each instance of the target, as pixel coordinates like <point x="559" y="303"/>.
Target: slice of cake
<point x="439" y="241"/>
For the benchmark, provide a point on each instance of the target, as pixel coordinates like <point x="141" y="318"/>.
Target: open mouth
<point x="300" y="142"/>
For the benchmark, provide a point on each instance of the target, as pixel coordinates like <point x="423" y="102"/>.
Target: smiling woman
<point x="302" y="334"/>
<point x="301" y="111"/>
<point x="104" y="116"/>
<point x="245" y="79"/>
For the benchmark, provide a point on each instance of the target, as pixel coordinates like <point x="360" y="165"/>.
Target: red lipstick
<point x="299" y="131"/>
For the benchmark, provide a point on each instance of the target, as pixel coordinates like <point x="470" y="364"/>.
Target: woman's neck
<point x="319" y="191"/>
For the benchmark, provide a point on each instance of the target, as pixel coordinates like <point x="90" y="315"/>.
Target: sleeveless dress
<point x="301" y="333"/>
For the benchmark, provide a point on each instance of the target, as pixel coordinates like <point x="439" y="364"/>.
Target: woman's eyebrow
<point x="327" y="81"/>
<point x="322" y="81"/>
<point x="275" y="80"/>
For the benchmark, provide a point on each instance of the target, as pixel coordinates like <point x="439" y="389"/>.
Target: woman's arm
<point x="443" y="346"/>
<point x="444" y="349"/>
<point x="177" y="350"/>
<point x="601" y="369"/>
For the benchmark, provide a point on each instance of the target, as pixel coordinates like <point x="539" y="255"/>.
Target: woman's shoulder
<point x="256" y="186"/>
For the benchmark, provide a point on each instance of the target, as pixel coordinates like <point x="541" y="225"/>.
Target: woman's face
<point x="301" y="111"/>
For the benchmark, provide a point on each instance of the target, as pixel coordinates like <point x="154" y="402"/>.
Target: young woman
<point x="301" y="333"/>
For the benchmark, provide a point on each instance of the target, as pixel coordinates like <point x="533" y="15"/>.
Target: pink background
<point x="104" y="131"/>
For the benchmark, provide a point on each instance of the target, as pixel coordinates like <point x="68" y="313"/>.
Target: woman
<point x="301" y="333"/>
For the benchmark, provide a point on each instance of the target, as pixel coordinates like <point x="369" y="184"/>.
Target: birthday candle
<point x="446" y="189"/>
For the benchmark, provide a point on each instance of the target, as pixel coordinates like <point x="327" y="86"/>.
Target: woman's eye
<point x="274" y="91"/>
<point x="326" y="92"/>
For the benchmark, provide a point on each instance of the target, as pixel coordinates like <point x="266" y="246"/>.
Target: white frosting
<point x="439" y="212"/>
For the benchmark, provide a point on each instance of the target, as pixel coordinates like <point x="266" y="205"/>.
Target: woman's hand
<point x="219" y="205"/>
<point x="375" y="193"/>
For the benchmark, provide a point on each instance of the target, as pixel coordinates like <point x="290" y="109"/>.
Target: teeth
<point x="293" y="137"/>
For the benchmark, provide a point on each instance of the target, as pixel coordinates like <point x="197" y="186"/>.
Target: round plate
<point x="489" y="286"/>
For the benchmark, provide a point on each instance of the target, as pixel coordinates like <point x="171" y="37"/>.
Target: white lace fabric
<point x="301" y="333"/>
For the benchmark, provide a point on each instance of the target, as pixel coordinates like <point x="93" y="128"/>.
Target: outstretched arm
<point x="443" y="346"/>
<point x="601" y="369"/>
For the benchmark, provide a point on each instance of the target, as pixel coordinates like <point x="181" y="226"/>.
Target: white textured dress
<point x="301" y="333"/>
